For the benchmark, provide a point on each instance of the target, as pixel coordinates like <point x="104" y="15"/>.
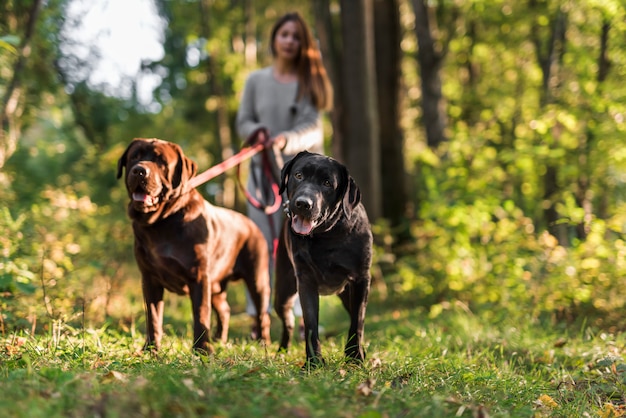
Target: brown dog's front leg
<point x="153" y="299"/>
<point x="222" y="309"/>
<point x="310" y="301"/>
<point x="200" y="294"/>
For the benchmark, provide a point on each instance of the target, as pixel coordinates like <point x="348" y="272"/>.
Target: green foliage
<point x="15" y="275"/>
<point x="65" y="238"/>
<point x="479" y="230"/>
<point x="492" y="259"/>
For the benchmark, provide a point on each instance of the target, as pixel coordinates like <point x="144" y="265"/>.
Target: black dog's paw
<point x="313" y="363"/>
<point x="355" y="354"/>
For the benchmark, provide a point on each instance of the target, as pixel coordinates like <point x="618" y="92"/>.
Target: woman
<point x="285" y="98"/>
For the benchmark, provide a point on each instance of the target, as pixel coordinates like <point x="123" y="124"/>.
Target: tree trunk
<point x="250" y="50"/>
<point x="388" y="57"/>
<point x="583" y="192"/>
<point x="549" y="59"/>
<point x="361" y="129"/>
<point x="223" y="127"/>
<point x="430" y="62"/>
<point x="329" y="46"/>
<point x="11" y="102"/>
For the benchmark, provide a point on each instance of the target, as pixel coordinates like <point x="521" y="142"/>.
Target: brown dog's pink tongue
<point x="141" y="197"/>
<point x="301" y="226"/>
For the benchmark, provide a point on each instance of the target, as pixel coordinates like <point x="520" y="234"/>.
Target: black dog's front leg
<point x="286" y="291"/>
<point x="310" y="301"/>
<point x="153" y="300"/>
<point x="354" y="298"/>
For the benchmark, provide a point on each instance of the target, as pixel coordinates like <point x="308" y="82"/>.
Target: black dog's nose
<point x="304" y="203"/>
<point x="139" y="171"/>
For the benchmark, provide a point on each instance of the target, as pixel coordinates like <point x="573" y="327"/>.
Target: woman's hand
<point x="279" y="142"/>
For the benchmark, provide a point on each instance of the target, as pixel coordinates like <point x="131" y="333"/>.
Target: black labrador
<point x="325" y="248"/>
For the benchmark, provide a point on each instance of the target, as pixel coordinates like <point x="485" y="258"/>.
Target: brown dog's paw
<point x="150" y="347"/>
<point x="205" y="349"/>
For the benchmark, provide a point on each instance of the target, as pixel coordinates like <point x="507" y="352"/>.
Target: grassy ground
<point x="452" y="365"/>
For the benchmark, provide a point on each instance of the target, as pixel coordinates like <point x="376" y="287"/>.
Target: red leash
<point x="258" y="141"/>
<point x="231" y="162"/>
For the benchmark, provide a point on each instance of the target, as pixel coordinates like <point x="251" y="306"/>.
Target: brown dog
<point x="188" y="246"/>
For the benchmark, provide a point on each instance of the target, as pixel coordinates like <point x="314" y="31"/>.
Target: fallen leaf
<point x="611" y="411"/>
<point x="189" y="384"/>
<point x="114" y="376"/>
<point x="252" y="370"/>
<point x="141" y="382"/>
<point x="366" y="388"/>
<point x="14" y="346"/>
<point x="376" y="363"/>
<point x="298" y="412"/>
<point x="481" y="412"/>
<point x="546" y="401"/>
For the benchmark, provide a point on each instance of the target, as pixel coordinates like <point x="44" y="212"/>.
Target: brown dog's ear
<point x="185" y="169"/>
<point x="351" y="197"/>
<point x="286" y="170"/>
<point x="121" y="163"/>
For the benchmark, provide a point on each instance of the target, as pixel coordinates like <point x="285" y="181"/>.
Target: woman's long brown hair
<point x="312" y="76"/>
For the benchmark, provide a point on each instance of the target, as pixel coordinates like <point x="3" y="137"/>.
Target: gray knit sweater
<point x="268" y="103"/>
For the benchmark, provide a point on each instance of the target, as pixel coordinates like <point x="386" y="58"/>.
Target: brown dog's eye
<point x="298" y="175"/>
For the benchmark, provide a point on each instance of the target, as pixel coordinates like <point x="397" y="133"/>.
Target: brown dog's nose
<point x="140" y="171"/>
<point x="304" y="203"/>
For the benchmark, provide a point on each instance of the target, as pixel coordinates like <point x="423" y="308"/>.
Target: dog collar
<point x="286" y="209"/>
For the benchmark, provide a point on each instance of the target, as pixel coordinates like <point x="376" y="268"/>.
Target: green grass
<point x="453" y="365"/>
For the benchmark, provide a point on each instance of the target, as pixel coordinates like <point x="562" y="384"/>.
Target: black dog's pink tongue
<point x="301" y="226"/>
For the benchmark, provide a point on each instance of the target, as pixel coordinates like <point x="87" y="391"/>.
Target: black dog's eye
<point x="327" y="183"/>
<point x="298" y="175"/>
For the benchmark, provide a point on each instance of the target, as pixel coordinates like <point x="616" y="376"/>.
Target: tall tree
<point x="430" y="59"/>
<point x="330" y="47"/>
<point x="584" y="190"/>
<point x="361" y="136"/>
<point x="221" y="109"/>
<point x="22" y="23"/>
<point x="549" y="53"/>
<point x="388" y="55"/>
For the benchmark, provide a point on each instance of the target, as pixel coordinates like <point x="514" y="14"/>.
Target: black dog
<point x="325" y="248"/>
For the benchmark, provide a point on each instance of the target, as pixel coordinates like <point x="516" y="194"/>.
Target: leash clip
<point x="286" y="209"/>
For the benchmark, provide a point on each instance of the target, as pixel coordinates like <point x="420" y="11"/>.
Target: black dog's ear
<point x="351" y="197"/>
<point x="286" y="170"/>
<point x="121" y="163"/>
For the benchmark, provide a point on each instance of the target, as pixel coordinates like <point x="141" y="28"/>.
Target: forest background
<point x="486" y="136"/>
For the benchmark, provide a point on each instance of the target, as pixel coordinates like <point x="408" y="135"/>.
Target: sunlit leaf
<point x="547" y="401"/>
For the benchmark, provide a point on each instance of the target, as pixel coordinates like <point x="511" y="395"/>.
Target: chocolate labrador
<point x="188" y="246"/>
<point x="325" y="248"/>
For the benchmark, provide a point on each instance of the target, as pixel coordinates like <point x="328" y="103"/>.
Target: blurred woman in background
<point x="285" y="100"/>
